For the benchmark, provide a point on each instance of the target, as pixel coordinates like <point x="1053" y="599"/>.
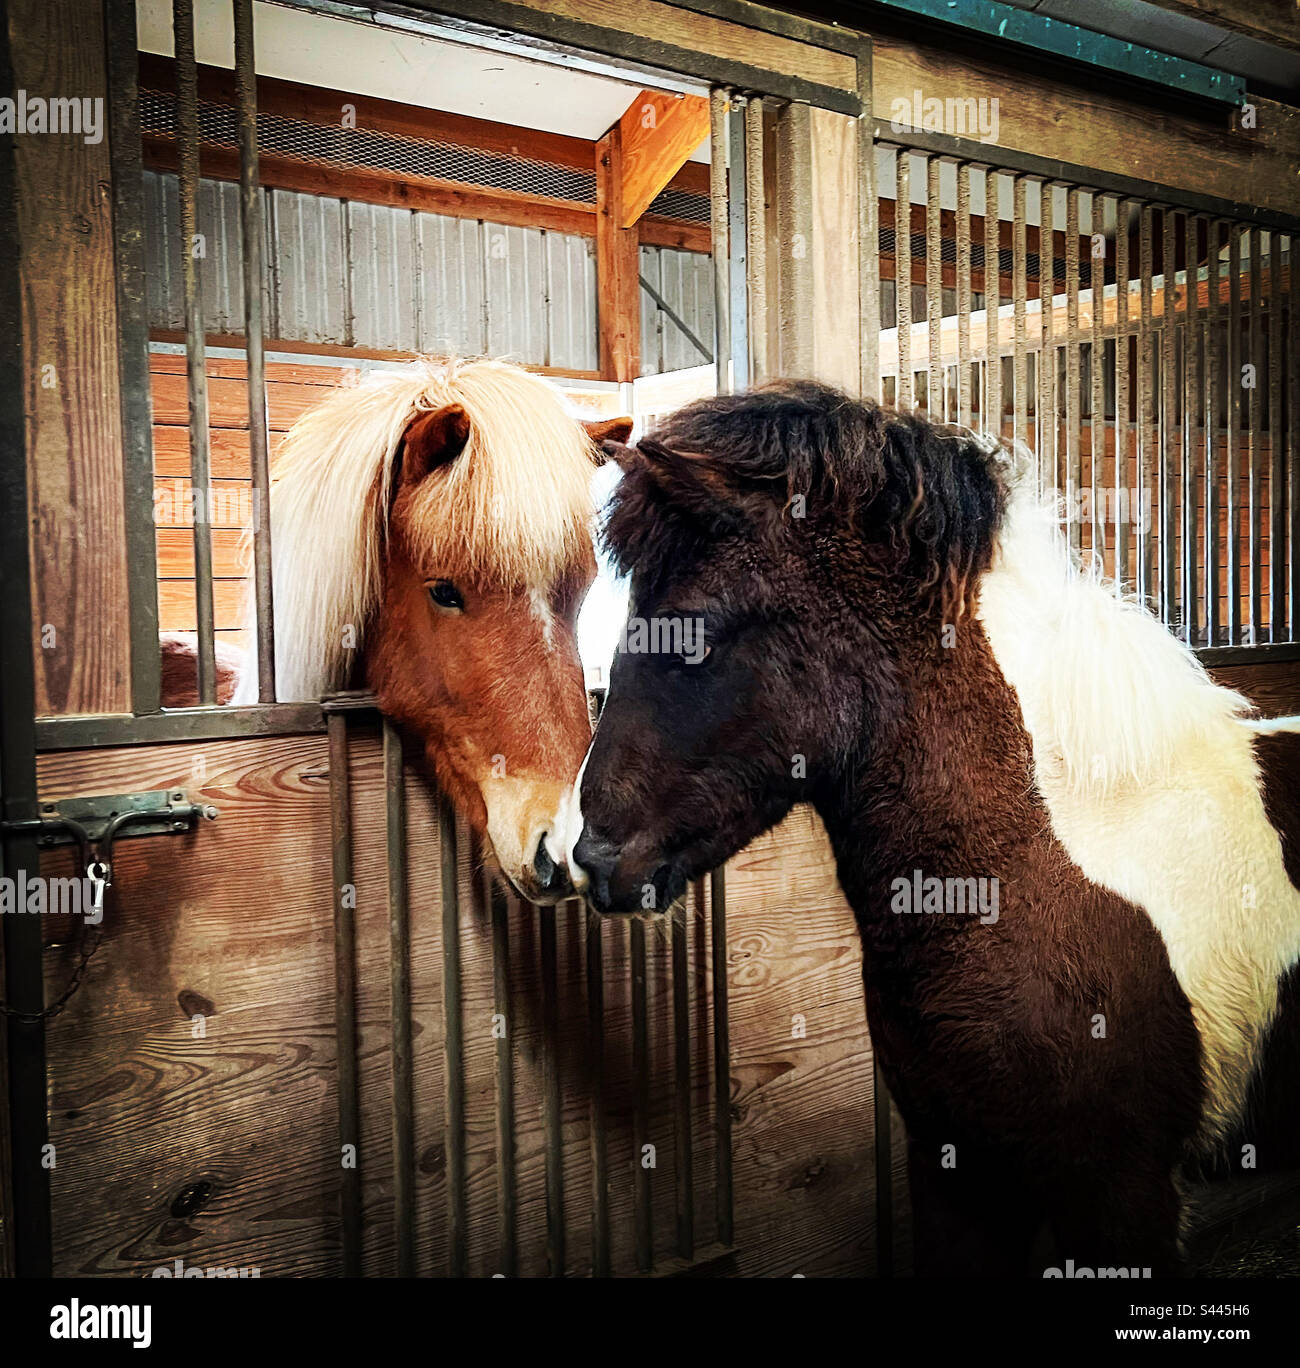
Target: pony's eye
<point x="445" y="594"/>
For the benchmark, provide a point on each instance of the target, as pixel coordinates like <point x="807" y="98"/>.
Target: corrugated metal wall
<point x="367" y="275"/>
<point x="685" y="280"/>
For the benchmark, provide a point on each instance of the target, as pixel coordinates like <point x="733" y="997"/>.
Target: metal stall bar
<point x="869" y="321"/>
<point x="399" y="959"/>
<point x="187" y="137"/>
<point x="1096" y="378"/>
<point x="903" y="276"/>
<point x="719" y="105"/>
<point x="1168" y="420"/>
<point x="1255" y="420"/>
<point x="935" y="370"/>
<point x="1147" y="444"/>
<point x="1277" y="539"/>
<point x="250" y="225"/>
<point x="992" y="299"/>
<point x="552" y="1115"/>
<point x="24" y="987"/>
<point x="756" y="238"/>
<point x="1073" y="395"/>
<point x="1047" y="443"/>
<point x="345" y="994"/>
<point x="642" y="1213"/>
<point x="1191" y="431"/>
<point x="684" y="1165"/>
<point x="1213" y="368"/>
<point x="133" y="351"/>
<point x="1124" y="509"/>
<point x="453" y="1037"/>
<point x="1293" y="431"/>
<point x="738" y="272"/>
<point x="721" y="1057"/>
<point x="1233" y="396"/>
<point x="600" y="1252"/>
<point x="507" y="1194"/>
<point x="1019" y="293"/>
<point x="963" y="295"/>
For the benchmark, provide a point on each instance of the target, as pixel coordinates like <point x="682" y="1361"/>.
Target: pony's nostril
<point x="597" y="858"/>
<point x="548" y="874"/>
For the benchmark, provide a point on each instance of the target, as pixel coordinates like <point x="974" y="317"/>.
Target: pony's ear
<point x="687" y="481"/>
<point x="607" y="433"/>
<point x="432" y="440"/>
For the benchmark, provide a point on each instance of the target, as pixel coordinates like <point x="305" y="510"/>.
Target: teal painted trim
<point x="1045" y="34"/>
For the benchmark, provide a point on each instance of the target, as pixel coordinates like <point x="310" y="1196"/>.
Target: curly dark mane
<point x="933" y="494"/>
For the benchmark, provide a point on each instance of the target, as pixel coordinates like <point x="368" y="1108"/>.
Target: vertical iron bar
<point x="642" y="1212"/>
<point x="1096" y="378"/>
<point x="1019" y="292"/>
<point x="552" y="1115"/>
<point x="1254" y="450"/>
<point x="1124" y="509"/>
<point x="187" y="136"/>
<point x="133" y="351"/>
<point x="345" y="993"/>
<point x="1047" y="443"/>
<point x="719" y="106"/>
<point x="453" y="1042"/>
<point x="1168" y="421"/>
<point x="1232" y="462"/>
<point x="884" y="1161"/>
<point x="1191" y="432"/>
<point x="903" y="276"/>
<point x="24" y="986"/>
<point x="868" y="233"/>
<point x="1277" y="539"/>
<point x="992" y="302"/>
<point x="600" y="1260"/>
<point x="507" y="1195"/>
<point x="399" y="961"/>
<point x="1213" y="369"/>
<point x="963" y="296"/>
<point x="1073" y="395"/>
<point x="683" y="1150"/>
<point x="250" y="223"/>
<point x="721" y="1055"/>
<point x="1293" y="432"/>
<point x="934" y="380"/>
<point x="738" y="287"/>
<point x="1147" y="443"/>
<point x="756" y="239"/>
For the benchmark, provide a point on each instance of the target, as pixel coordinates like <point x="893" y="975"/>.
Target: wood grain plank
<point x="80" y="627"/>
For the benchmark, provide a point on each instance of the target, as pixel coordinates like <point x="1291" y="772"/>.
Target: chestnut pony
<point x="431" y="540"/>
<point x="1065" y="846"/>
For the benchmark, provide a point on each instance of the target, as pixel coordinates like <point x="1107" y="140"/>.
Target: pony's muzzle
<point x="550" y="880"/>
<point x="618" y="880"/>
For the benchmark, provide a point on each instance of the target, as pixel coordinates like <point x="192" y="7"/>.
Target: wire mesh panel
<point x="1141" y="354"/>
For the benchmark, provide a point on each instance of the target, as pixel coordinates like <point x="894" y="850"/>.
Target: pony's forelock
<point x="513" y="508"/>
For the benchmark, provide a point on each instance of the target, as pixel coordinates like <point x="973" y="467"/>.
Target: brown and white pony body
<point x="897" y="635"/>
<point x="431" y="541"/>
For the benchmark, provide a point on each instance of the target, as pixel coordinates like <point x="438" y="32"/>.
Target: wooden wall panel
<point x="74" y="440"/>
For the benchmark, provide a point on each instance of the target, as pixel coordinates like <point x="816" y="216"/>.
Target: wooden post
<point x="74" y="431"/>
<point x="618" y="289"/>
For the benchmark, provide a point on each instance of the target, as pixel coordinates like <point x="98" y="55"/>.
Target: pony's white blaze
<point x="490" y="512"/>
<point x="543" y="614"/>
<point x="567" y="828"/>
<point x="1149" y="774"/>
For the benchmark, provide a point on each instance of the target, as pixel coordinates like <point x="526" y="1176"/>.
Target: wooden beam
<point x="659" y="132"/>
<point x="618" y="286"/>
<point x="74" y="431"/>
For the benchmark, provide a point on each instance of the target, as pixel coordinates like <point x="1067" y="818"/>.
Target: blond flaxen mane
<point x="512" y="509"/>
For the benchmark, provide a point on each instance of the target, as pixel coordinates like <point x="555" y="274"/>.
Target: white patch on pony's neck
<point x="541" y="606"/>
<point x="1148" y="771"/>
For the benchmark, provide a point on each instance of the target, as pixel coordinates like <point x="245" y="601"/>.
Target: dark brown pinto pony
<point x="1074" y="910"/>
<point x="431" y="541"/>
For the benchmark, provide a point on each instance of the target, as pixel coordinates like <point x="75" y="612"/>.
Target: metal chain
<point x="91" y="940"/>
